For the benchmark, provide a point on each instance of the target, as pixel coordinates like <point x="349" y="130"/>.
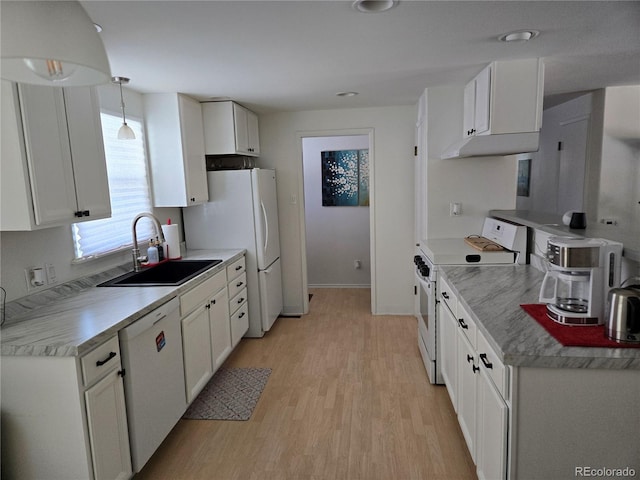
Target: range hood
<point x="494" y="145"/>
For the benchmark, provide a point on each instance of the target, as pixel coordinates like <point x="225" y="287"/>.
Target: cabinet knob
<point x="475" y="369"/>
<point x="469" y="358"/>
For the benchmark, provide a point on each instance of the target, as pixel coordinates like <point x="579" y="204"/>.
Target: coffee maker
<point x="580" y="273"/>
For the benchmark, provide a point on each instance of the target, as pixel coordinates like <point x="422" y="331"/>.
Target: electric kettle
<point x="623" y="321"/>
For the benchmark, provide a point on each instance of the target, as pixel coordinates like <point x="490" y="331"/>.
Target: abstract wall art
<point x="345" y="178"/>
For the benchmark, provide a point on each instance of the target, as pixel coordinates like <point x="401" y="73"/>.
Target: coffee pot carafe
<point x="580" y="273"/>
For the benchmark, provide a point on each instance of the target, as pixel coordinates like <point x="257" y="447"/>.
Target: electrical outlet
<point x="455" y="209"/>
<point x="35" y="277"/>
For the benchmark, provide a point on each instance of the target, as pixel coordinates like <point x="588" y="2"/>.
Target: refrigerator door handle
<point x="266" y="226"/>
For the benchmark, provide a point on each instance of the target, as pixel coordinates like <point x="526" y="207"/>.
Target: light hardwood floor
<point x="348" y="398"/>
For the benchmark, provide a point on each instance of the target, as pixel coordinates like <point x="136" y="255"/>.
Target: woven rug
<point x="231" y="394"/>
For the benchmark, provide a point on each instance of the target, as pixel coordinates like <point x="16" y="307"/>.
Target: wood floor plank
<point x="348" y="399"/>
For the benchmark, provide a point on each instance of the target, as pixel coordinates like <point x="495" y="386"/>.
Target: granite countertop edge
<point x="492" y="295"/>
<point x="76" y="324"/>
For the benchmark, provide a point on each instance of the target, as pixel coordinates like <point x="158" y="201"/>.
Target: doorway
<point x="337" y="245"/>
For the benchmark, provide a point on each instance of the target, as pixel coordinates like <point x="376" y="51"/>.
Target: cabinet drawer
<point x="237" y="301"/>
<point x="100" y="361"/>
<point x="237" y="284"/>
<point x="239" y="324"/>
<point x="201" y="293"/>
<point x="447" y="295"/>
<point x="491" y="364"/>
<point x="467" y="324"/>
<point x="236" y="268"/>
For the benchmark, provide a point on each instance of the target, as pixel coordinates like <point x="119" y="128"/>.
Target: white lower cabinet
<point x="68" y="420"/>
<point x="220" y="328"/>
<point x="449" y="356"/>
<point x="212" y="324"/>
<point x="476" y="381"/>
<point x="491" y="439"/>
<point x="196" y="347"/>
<point x="467" y="392"/>
<point x="107" y="421"/>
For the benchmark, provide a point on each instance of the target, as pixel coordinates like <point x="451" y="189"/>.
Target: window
<point x="129" y="191"/>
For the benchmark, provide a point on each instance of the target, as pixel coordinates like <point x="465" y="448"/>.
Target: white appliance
<point x="434" y="253"/>
<point x="581" y="273"/>
<point x="154" y="380"/>
<point x="242" y="212"/>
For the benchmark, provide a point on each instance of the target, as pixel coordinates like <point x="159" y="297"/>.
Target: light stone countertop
<point x="493" y="294"/>
<point x="74" y="318"/>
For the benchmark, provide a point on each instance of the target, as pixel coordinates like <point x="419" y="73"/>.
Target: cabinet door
<point x="193" y="150"/>
<point x="482" y="101"/>
<point x="241" y="130"/>
<point x="87" y="152"/>
<point x="448" y="344"/>
<point x="492" y="413"/>
<point x="48" y="154"/>
<point x="220" y="328"/>
<point x="109" y="436"/>
<point x="253" y="133"/>
<point x="467" y="405"/>
<point x="196" y="345"/>
<point x="469" y="109"/>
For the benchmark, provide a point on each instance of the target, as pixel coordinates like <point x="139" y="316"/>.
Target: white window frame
<point x="121" y="215"/>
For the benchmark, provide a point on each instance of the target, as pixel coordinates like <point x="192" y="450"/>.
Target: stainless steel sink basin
<point x="171" y="273"/>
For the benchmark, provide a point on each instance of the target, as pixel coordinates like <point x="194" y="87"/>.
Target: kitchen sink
<point x="170" y="273"/>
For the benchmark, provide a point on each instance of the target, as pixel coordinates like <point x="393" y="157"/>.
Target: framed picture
<point x="524" y="177"/>
<point x="345" y="178"/>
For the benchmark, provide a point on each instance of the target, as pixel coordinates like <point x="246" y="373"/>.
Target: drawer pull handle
<point x="240" y="300"/>
<point x="239" y="284"/>
<point x="213" y="302"/>
<point x="241" y="315"/>
<point x="239" y="267"/>
<point x="445" y="295"/>
<point x="463" y="323"/>
<point x="99" y="363"/>
<point x="483" y="357"/>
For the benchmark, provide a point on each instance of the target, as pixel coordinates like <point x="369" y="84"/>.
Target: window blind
<point x="129" y="190"/>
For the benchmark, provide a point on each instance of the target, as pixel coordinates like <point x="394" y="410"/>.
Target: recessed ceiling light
<point x="374" y="6"/>
<point x="519" y="36"/>
<point x="346" y="94"/>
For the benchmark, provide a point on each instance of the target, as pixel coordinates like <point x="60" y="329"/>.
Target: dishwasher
<point x="151" y="350"/>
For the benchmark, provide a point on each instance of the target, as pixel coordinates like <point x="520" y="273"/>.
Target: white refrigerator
<point x="242" y="212"/>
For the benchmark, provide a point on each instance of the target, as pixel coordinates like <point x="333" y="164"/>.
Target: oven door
<point x="425" y="307"/>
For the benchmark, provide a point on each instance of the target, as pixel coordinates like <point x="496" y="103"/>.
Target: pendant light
<point x="125" y="132"/>
<point x="51" y="43"/>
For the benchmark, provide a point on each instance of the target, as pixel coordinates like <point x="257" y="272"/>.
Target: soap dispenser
<point x="152" y="253"/>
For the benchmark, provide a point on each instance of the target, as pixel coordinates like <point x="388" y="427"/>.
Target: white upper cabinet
<point x="230" y="129"/>
<point x="176" y="149"/>
<point x="53" y="165"/>
<point x="505" y="97"/>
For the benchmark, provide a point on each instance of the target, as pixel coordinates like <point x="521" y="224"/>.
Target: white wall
<point x="21" y="250"/>
<point x="336" y="236"/>
<point x="620" y="175"/>
<point x="480" y="184"/>
<point x="551" y="190"/>
<point x="392" y="195"/>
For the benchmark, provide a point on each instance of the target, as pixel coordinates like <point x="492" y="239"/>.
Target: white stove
<point x="500" y="243"/>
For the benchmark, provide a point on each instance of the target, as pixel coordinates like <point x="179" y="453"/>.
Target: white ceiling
<point x="296" y="55"/>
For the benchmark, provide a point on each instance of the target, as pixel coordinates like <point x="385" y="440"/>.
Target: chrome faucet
<point x="137" y="258"/>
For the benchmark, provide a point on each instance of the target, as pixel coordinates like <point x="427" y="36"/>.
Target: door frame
<point x="301" y="206"/>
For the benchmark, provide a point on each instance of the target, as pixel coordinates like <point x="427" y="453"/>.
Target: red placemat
<point x="573" y="335"/>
